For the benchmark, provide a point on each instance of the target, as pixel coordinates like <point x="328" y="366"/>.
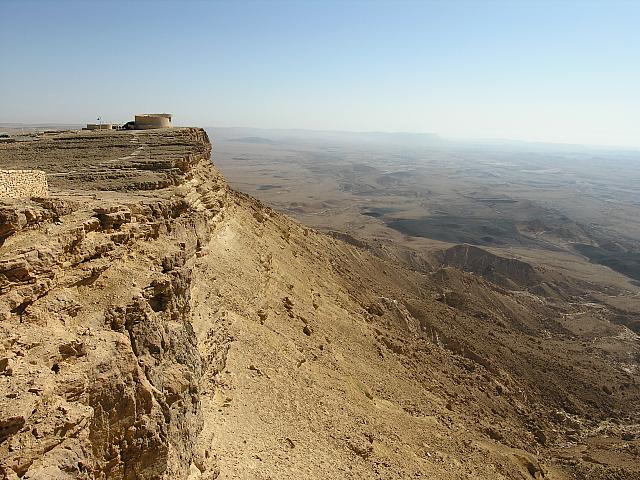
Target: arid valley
<point x="320" y="240"/>
<point x="432" y="312"/>
<point x="564" y="206"/>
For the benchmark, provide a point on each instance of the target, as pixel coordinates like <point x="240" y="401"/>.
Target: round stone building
<point x="145" y="121"/>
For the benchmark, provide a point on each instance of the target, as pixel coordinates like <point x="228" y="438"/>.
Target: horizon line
<point x="450" y="138"/>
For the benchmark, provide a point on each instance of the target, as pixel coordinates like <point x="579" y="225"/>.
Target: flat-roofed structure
<point x="146" y="121"/>
<point x="100" y="126"/>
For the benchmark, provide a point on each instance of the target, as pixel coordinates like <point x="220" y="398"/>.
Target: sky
<point x="555" y="71"/>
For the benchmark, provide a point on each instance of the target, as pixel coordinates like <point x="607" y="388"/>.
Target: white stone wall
<point x="23" y="183"/>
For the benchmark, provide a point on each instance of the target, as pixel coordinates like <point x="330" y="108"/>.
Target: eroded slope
<point x="156" y="324"/>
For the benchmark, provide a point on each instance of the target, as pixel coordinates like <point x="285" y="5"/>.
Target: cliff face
<point x="507" y="272"/>
<point x="100" y="360"/>
<point x="156" y="324"/>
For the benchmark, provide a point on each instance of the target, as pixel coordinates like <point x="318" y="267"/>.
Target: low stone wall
<point x="23" y="183"/>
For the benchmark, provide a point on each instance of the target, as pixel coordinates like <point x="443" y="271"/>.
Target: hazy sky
<point x="564" y="71"/>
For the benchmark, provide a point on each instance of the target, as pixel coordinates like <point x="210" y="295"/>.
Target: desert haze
<point x="438" y="310"/>
<point x="303" y="240"/>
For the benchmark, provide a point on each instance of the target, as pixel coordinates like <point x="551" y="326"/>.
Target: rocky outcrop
<point x="506" y="272"/>
<point x="17" y="215"/>
<point x="100" y="364"/>
<point x="110" y="160"/>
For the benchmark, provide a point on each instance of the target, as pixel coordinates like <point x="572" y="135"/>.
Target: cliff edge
<point x="156" y="324"/>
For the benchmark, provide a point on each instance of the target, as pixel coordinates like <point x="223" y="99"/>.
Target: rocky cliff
<point x="100" y="360"/>
<point x="156" y="324"/>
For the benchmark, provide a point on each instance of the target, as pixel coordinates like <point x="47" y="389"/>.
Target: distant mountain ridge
<point x="258" y="135"/>
<point x="256" y="140"/>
